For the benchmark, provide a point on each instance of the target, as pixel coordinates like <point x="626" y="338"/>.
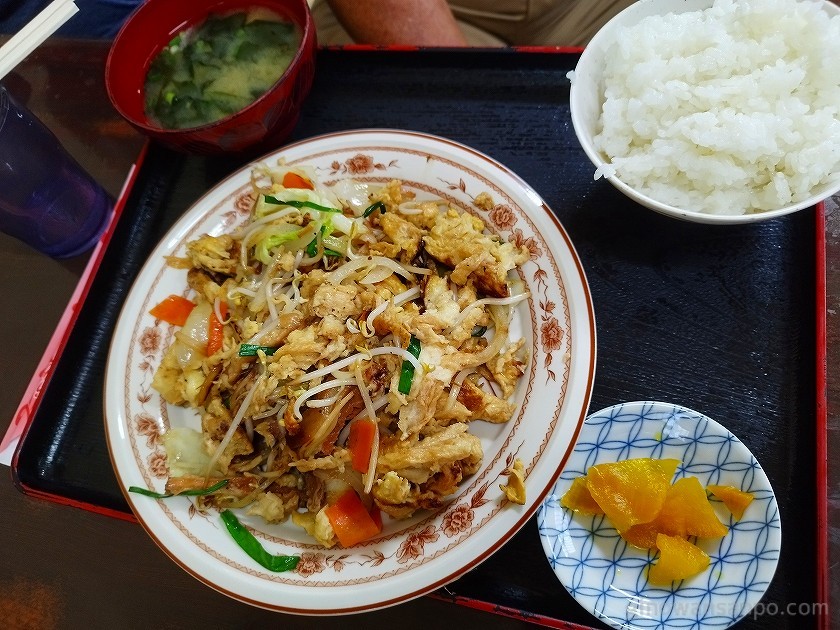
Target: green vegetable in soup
<point x="212" y="71"/>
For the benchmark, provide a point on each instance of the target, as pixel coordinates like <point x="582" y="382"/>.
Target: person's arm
<point x="410" y="22"/>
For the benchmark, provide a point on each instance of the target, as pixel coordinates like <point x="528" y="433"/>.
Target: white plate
<point x="608" y="577"/>
<point x="410" y="557"/>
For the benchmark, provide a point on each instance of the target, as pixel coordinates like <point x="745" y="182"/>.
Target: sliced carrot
<point x="350" y="521"/>
<point x="376" y="517"/>
<point x="293" y="180"/>
<point x="216" y="330"/>
<point x="360" y="442"/>
<point x="173" y="310"/>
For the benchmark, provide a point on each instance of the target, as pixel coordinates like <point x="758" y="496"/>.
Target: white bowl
<point x="587" y="97"/>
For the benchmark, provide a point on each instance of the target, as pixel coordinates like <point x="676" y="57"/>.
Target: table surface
<point x="61" y="566"/>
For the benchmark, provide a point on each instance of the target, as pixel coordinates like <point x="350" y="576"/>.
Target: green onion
<point x="479" y="331"/>
<point x="186" y="493"/>
<point x="250" y="545"/>
<point x="312" y="250"/>
<point x="407" y="372"/>
<point x="299" y="204"/>
<point x="250" y="350"/>
<point x="373" y="208"/>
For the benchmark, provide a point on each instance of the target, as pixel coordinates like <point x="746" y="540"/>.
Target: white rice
<point x="731" y="110"/>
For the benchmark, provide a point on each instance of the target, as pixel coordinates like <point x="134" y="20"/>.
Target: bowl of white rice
<point x="714" y="111"/>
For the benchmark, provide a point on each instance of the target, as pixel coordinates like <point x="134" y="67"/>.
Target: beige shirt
<point x="505" y="22"/>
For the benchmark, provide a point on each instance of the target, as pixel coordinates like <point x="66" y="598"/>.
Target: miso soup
<point x="217" y="68"/>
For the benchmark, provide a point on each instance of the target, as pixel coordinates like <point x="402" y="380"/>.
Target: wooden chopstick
<point x="33" y="34"/>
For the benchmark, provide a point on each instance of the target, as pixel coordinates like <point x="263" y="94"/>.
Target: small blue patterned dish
<point x="608" y="577"/>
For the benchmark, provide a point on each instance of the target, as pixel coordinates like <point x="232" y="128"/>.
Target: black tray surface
<point x="720" y="319"/>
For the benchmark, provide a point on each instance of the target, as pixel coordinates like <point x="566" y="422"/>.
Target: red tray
<point x="713" y="318"/>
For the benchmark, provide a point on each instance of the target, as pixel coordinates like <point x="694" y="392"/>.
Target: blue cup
<point x="47" y="200"/>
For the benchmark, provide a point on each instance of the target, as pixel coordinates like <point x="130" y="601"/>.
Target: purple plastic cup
<point x="46" y="199"/>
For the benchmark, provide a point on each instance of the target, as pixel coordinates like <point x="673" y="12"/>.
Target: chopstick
<point x="34" y="33"/>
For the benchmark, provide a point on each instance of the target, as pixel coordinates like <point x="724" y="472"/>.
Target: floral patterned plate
<point x="608" y="577"/>
<point x="412" y="557"/>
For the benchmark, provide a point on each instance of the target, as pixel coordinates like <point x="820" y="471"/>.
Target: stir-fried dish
<point x="338" y="347"/>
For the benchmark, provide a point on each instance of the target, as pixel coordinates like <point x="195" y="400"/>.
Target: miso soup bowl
<point x="258" y="127"/>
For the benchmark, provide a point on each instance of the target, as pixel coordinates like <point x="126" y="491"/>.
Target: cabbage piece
<point x="283" y="234"/>
<point x="185" y="452"/>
